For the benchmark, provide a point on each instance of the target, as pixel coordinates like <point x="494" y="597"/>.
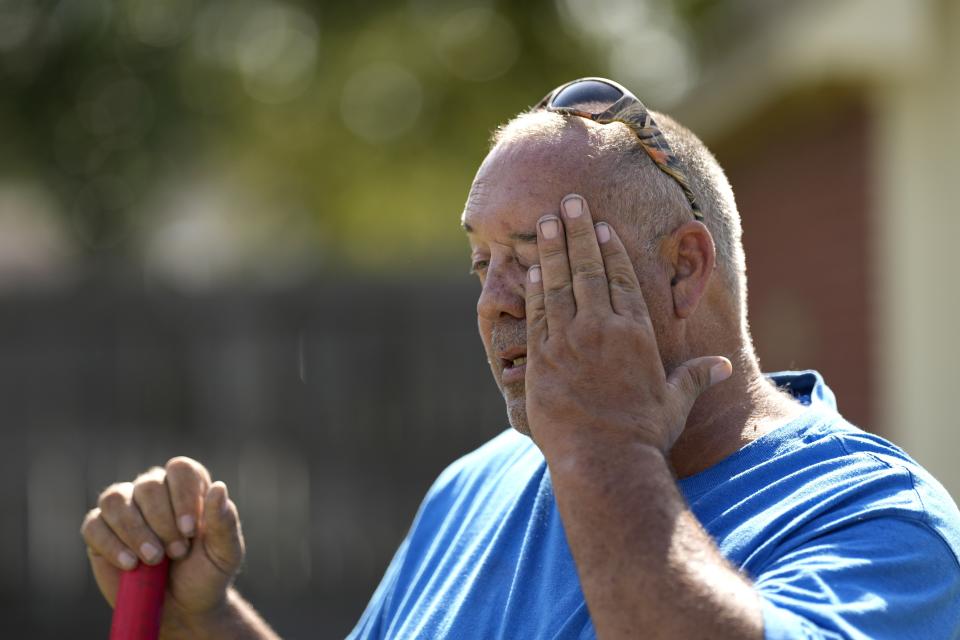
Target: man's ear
<point x="691" y="254"/>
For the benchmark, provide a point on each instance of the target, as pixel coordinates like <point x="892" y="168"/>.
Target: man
<point x="655" y="484"/>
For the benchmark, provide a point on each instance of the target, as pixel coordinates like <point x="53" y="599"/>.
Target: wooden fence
<point x="328" y="409"/>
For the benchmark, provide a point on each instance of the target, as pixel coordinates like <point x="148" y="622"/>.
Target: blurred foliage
<point x="348" y="129"/>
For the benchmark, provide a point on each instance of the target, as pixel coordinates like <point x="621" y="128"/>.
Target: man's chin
<point x="516" y="402"/>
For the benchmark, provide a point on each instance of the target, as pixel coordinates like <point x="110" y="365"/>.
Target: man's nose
<point x="502" y="294"/>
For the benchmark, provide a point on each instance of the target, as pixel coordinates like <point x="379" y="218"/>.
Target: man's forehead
<point x="508" y="204"/>
<point x="501" y="222"/>
<point x="522" y="182"/>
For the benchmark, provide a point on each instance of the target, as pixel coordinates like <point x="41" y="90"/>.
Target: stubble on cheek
<point x="514" y="394"/>
<point x="501" y="336"/>
<point x="515" y="399"/>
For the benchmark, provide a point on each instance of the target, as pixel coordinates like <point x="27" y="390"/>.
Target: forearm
<point x="646" y="565"/>
<point x="236" y="620"/>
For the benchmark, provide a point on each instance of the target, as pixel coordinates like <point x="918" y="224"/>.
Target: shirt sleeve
<point x="371" y="623"/>
<point x="879" y="578"/>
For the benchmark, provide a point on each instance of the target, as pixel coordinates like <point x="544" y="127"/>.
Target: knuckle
<point x="621" y="279"/>
<point x="558" y="292"/>
<point x="589" y="269"/>
<point x="552" y="251"/>
<point x="691" y="382"/>
<point x="182" y="465"/>
<point x="701" y="379"/>
<point x="113" y="498"/>
<point x="223" y="564"/>
<point x="536" y="325"/>
<point x="149" y="487"/>
<point x="86" y="527"/>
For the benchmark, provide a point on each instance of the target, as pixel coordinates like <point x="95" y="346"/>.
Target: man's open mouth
<point x="513" y="357"/>
<point x="516" y="362"/>
<point x="513" y="364"/>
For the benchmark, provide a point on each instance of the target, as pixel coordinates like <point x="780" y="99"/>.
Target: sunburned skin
<point x="510" y="193"/>
<point x="605" y="413"/>
<point x="524" y="179"/>
<point x="638" y="371"/>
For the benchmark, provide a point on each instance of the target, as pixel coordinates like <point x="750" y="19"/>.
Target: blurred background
<point x="229" y="229"/>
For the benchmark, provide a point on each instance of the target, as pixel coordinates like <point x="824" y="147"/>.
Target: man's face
<point x="514" y="187"/>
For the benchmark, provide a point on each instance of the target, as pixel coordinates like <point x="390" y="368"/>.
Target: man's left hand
<point x="594" y="373"/>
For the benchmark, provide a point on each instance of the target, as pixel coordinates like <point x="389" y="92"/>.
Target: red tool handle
<point x="140" y="602"/>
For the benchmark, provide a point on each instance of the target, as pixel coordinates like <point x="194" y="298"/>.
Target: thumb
<point x="693" y="377"/>
<point x="223" y="540"/>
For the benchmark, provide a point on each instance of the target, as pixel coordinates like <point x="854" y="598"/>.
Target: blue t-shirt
<point x="842" y="534"/>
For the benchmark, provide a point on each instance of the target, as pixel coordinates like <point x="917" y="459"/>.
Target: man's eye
<point x="479" y="266"/>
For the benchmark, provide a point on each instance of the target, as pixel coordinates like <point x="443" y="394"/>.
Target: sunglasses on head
<point x="604" y="101"/>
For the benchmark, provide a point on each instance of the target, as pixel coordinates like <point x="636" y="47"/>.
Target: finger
<point x="693" y="377"/>
<point x="555" y="271"/>
<point x="626" y="297"/>
<point x="103" y="542"/>
<point x="119" y="512"/>
<point x="187" y="483"/>
<point x="152" y="498"/>
<point x="535" y="311"/>
<point x="590" y="290"/>
<point x="222" y="537"/>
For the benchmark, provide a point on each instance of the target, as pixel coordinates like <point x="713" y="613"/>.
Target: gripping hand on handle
<point x="177" y="512"/>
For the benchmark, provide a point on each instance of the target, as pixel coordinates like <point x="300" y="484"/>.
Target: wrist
<point x="181" y="624"/>
<point x="590" y="457"/>
<point x="561" y="438"/>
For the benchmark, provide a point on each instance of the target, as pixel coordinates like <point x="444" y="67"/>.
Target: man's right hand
<point x="175" y="510"/>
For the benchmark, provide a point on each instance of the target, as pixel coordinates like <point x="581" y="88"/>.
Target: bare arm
<point x="603" y="411"/>
<point x="645" y="564"/>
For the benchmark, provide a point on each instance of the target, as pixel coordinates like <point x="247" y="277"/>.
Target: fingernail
<point x="186" y="525"/>
<point x="549" y="228"/>
<point x="573" y="206"/>
<point x="534" y="273"/>
<point x="148" y="551"/>
<point x="603" y="232"/>
<point x="177" y="549"/>
<point x="720" y="372"/>
<point x="127" y="560"/>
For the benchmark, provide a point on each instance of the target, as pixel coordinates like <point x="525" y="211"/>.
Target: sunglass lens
<point x="591" y="95"/>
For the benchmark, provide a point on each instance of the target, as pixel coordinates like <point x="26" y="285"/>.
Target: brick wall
<point x="801" y="177"/>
